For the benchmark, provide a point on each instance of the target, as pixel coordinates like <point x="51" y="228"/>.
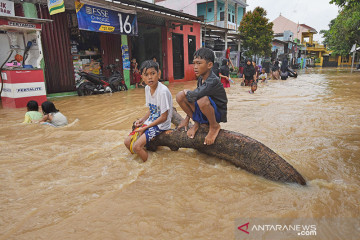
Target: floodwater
<point x="80" y="182"/>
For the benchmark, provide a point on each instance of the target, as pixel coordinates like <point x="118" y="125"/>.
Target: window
<point x="181" y="27"/>
<point x="191" y="29"/>
<point x="210" y="10"/>
<point x="221" y="16"/>
<point x="229" y="18"/>
<point x="191" y="47"/>
<point x="233" y="18"/>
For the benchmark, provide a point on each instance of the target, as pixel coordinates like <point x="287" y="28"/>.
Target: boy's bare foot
<point x="213" y="132"/>
<point x="192" y="131"/>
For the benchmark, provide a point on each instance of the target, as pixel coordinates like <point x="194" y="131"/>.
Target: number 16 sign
<point x="97" y="19"/>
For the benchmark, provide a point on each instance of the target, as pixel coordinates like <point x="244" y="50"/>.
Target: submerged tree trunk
<point x="241" y="150"/>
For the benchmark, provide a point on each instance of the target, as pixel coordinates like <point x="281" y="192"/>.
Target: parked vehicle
<point x="91" y="83"/>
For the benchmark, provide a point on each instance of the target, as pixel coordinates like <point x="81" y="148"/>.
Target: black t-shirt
<point x="249" y="72"/>
<point x="212" y="87"/>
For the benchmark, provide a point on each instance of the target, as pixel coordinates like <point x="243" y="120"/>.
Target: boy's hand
<point x="184" y="123"/>
<point x="140" y="130"/>
<point x="138" y="123"/>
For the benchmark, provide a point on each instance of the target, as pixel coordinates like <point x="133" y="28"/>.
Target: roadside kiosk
<point x="22" y="78"/>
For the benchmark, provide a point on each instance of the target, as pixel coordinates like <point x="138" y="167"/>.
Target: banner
<point x="6" y="8"/>
<point x="97" y="19"/>
<point x="56" y="6"/>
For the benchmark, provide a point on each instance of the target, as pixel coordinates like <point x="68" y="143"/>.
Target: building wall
<point x="201" y="11"/>
<point x="188" y="68"/>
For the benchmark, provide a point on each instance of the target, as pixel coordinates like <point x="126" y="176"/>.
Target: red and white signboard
<point x="21" y="87"/>
<point x="7" y="8"/>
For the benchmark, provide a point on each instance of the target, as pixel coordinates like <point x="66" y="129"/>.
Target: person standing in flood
<point x="136" y="76"/>
<point x="249" y="74"/>
<point x="275" y="70"/>
<point x="224" y="73"/>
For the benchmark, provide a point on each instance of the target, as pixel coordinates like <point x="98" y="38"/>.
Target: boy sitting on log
<point x="158" y="118"/>
<point x="207" y="104"/>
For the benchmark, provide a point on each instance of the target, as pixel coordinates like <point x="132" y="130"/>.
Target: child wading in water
<point x="52" y="116"/>
<point x="208" y="102"/>
<point x="253" y="88"/>
<point x="158" y="118"/>
<point x="33" y="114"/>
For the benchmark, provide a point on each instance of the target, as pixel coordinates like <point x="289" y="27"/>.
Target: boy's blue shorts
<point x="152" y="132"/>
<point x="199" y="117"/>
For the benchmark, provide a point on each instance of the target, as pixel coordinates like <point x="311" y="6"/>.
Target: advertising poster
<point x="97" y="19"/>
<point x="125" y="57"/>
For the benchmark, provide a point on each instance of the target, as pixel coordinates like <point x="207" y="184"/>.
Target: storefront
<point x="22" y="77"/>
<point x="71" y="45"/>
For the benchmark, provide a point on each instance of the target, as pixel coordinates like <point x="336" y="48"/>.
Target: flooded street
<point x="80" y="181"/>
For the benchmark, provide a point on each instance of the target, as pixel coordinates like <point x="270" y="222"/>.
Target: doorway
<point x="178" y="55"/>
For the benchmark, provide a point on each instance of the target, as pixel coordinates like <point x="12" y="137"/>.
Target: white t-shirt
<point x="158" y="103"/>
<point x="263" y="76"/>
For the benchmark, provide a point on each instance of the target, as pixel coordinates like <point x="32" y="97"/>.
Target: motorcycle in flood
<point x="91" y="83"/>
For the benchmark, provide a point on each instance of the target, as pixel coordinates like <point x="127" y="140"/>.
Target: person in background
<point x="284" y="69"/>
<point x="225" y="73"/>
<point x="263" y="75"/>
<point x="216" y="69"/>
<point x="257" y="71"/>
<point x="276" y="70"/>
<point x="253" y="88"/>
<point x="52" y="116"/>
<point x="136" y="76"/>
<point x="241" y="69"/>
<point x="32" y="115"/>
<point x="249" y="75"/>
<point x="227" y="56"/>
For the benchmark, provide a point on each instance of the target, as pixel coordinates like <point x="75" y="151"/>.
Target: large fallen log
<point x="241" y="150"/>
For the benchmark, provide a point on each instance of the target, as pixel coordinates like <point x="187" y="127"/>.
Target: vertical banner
<point x="97" y="19"/>
<point x="125" y="57"/>
<point x="56" y="6"/>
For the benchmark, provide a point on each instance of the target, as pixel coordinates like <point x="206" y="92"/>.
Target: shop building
<point x="168" y="35"/>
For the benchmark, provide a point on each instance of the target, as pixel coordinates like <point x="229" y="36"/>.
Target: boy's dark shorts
<point x="152" y="132"/>
<point x="199" y="117"/>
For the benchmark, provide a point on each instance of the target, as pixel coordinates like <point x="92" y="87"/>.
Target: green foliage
<point x="256" y="32"/>
<point x="344" y="31"/>
<point x="346" y="3"/>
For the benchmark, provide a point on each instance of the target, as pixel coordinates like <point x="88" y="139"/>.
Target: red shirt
<point x="228" y="53"/>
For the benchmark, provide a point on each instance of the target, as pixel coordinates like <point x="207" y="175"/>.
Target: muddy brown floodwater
<point x="80" y="182"/>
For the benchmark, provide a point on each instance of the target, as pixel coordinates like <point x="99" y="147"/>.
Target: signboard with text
<point x="7" y="8"/>
<point x="97" y="19"/>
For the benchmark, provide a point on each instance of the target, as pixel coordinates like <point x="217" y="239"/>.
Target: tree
<point x="256" y="33"/>
<point x="345" y="3"/>
<point x="344" y="30"/>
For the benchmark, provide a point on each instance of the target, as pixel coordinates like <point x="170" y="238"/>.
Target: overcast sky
<point x="314" y="13"/>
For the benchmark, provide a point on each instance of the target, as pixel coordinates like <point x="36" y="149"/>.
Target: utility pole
<point x="226" y="21"/>
<point x="206" y="10"/>
<point x="215" y="12"/>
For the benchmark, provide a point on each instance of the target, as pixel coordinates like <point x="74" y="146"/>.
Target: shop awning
<point x="21" y="23"/>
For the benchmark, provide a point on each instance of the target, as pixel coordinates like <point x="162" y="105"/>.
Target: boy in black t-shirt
<point x="207" y="104"/>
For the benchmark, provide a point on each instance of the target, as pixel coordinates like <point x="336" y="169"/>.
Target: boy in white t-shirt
<point x="263" y="75"/>
<point x="158" y="118"/>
